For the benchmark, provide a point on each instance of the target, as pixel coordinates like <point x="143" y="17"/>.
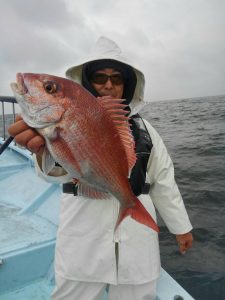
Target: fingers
<point x="183" y="247"/>
<point x="30" y="140"/>
<point x="17" y="127"/>
<point x="26" y="136"/>
<point x="18" y="118"/>
<point x="36" y="145"/>
<point x="185" y="242"/>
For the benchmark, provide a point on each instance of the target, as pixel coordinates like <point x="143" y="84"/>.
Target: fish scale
<point x="96" y="157"/>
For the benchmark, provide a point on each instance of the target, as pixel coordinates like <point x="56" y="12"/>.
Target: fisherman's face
<point x="111" y="86"/>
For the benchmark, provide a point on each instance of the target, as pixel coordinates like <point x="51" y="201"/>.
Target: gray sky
<point x="179" y="44"/>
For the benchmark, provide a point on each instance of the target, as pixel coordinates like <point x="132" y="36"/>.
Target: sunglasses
<point x="102" y="78"/>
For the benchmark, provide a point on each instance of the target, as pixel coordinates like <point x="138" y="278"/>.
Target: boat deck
<point x="21" y="231"/>
<point x="39" y="290"/>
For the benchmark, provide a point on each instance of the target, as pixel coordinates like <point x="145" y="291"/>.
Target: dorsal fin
<point x="116" y="109"/>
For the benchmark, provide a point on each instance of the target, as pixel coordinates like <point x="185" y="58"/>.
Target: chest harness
<point x="143" y="147"/>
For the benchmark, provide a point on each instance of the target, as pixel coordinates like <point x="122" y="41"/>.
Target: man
<point x="89" y="254"/>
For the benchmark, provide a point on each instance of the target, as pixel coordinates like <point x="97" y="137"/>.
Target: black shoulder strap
<point x="143" y="147"/>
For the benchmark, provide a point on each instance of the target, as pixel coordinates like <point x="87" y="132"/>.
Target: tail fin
<point x="138" y="213"/>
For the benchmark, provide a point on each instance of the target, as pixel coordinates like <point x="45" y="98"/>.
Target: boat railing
<point x="3" y="117"/>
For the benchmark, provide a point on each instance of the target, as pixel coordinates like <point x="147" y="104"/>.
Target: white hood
<point x="108" y="49"/>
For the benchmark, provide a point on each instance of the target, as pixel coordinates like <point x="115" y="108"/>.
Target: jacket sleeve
<point x="46" y="169"/>
<point x="164" y="191"/>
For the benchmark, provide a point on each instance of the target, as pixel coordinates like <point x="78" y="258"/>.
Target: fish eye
<point x="50" y="87"/>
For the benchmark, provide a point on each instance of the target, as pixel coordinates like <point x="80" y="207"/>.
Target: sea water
<point x="194" y="132"/>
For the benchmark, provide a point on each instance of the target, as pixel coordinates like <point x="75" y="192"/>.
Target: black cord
<point x="6" y="144"/>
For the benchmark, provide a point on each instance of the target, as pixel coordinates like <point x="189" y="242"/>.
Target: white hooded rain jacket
<point x="85" y="248"/>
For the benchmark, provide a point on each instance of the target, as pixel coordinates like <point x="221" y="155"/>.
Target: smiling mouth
<point x="19" y="86"/>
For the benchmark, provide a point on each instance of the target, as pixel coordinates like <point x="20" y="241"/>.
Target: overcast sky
<point x="179" y="44"/>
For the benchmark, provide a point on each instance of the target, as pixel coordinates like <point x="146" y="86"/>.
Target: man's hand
<point x="184" y="241"/>
<point x="26" y="136"/>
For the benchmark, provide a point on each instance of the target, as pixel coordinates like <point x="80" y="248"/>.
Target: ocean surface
<point x="194" y="132"/>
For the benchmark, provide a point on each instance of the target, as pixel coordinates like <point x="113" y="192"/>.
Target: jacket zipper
<point x="116" y="209"/>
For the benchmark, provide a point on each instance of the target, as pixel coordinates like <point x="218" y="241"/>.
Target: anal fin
<point x="90" y="192"/>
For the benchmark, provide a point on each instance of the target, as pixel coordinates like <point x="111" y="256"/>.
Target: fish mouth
<point x="21" y="93"/>
<point x="19" y="87"/>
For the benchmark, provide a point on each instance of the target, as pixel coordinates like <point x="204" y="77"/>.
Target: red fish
<point x="90" y="138"/>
